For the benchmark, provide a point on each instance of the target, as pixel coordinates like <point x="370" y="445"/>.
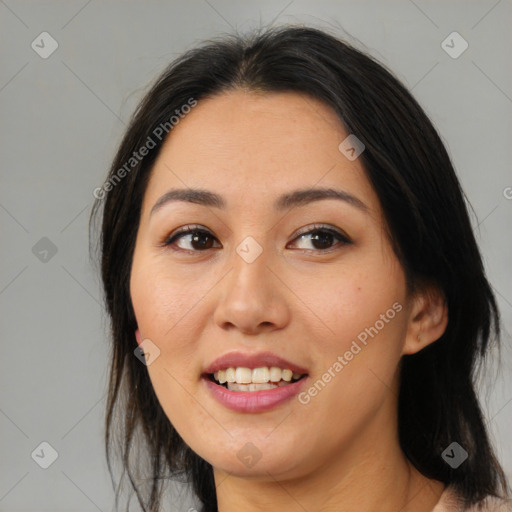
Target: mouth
<point x="245" y="379"/>
<point x="253" y="383"/>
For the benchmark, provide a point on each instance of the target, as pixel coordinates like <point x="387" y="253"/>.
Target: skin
<point x="340" y="451"/>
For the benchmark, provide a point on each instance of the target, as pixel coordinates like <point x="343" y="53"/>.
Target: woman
<point x="297" y="300"/>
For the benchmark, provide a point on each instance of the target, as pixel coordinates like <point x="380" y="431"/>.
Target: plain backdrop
<point x="61" y="120"/>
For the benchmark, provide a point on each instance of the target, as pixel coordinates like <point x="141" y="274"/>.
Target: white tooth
<point x="287" y="375"/>
<point x="243" y="375"/>
<point x="230" y="375"/>
<point x="296" y="375"/>
<point x="275" y="374"/>
<point x="222" y="376"/>
<point x="261" y="387"/>
<point x="216" y="376"/>
<point x="265" y="386"/>
<point x="250" y="387"/>
<point x="260" y="375"/>
<point x="233" y="386"/>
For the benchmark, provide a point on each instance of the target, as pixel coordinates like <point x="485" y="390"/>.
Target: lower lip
<point x="254" y="401"/>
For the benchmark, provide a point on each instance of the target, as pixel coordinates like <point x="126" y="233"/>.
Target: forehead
<point x="257" y="146"/>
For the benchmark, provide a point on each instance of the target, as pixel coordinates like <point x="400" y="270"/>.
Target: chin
<point x="246" y="460"/>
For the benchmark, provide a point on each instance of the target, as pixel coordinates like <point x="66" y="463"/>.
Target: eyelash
<point x="317" y="228"/>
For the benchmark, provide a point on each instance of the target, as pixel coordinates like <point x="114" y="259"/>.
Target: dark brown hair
<point x="425" y="209"/>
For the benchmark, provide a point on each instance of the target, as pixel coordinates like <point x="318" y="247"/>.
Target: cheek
<point x="356" y="301"/>
<point x="364" y="307"/>
<point x="357" y="376"/>
<point x="166" y="309"/>
<point x="161" y="300"/>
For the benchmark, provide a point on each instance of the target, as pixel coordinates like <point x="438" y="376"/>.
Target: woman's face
<point x="269" y="277"/>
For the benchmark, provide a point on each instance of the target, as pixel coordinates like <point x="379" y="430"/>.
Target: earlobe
<point x="138" y="337"/>
<point x="428" y="319"/>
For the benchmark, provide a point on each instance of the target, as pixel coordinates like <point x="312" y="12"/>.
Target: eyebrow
<point x="296" y="198"/>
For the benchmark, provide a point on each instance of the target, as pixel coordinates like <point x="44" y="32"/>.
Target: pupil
<point x="324" y="238"/>
<point x="199" y="239"/>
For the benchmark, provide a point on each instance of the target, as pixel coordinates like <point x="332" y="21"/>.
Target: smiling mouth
<point x="257" y="379"/>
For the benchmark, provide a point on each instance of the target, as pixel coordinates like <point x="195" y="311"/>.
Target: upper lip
<point x="262" y="359"/>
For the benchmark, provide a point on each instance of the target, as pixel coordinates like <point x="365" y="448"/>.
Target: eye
<point x="191" y="238"/>
<point x="322" y="238"/>
<point x="195" y="238"/>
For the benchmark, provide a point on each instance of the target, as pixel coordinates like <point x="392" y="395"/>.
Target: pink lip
<point x="254" y="401"/>
<point x="235" y="359"/>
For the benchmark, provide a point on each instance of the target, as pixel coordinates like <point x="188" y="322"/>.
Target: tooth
<point x="261" y="387"/>
<point x="230" y="375"/>
<point x="243" y="375"/>
<point x="251" y="387"/>
<point x="275" y="374"/>
<point x="268" y="385"/>
<point x="260" y="375"/>
<point x="233" y="386"/>
<point x="287" y="375"/>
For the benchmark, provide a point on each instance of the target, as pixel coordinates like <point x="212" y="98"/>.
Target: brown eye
<point x="192" y="239"/>
<point x="322" y="239"/>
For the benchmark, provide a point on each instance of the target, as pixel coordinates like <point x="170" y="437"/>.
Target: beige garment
<point x="449" y="502"/>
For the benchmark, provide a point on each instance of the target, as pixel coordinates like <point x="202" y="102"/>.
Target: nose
<point x="251" y="298"/>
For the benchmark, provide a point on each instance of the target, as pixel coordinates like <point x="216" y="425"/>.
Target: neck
<point x="369" y="473"/>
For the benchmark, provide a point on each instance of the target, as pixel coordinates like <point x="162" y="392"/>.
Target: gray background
<point x="62" y="118"/>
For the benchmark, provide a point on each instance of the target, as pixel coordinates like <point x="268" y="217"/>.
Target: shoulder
<point x="492" y="504"/>
<point x="451" y="502"/>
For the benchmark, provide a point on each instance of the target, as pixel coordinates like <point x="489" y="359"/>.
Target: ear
<point x="138" y="337"/>
<point x="427" y="320"/>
